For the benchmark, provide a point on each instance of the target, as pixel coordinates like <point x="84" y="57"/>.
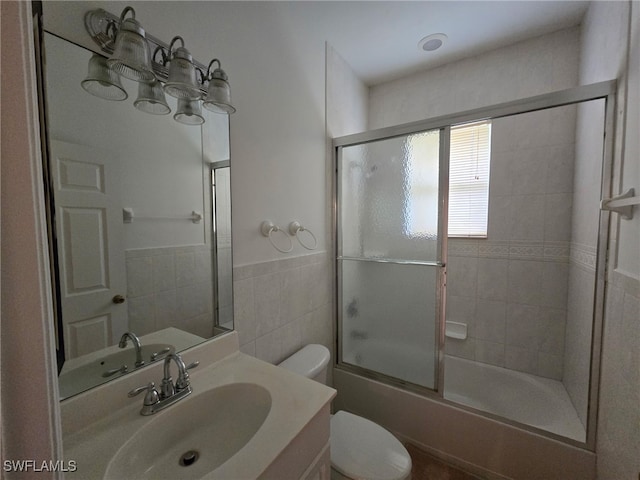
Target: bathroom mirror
<point x="140" y="226"/>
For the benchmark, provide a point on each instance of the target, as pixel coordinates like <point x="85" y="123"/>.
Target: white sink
<point x="91" y="374"/>
<point x="246" y="418"/>
<point x="195" y="436"/>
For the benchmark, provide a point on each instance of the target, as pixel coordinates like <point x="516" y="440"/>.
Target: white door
<point x="90" y="248"/>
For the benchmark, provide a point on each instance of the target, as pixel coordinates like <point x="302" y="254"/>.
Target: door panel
<point x="90" y="249"/>
<point x="390" y="213"/>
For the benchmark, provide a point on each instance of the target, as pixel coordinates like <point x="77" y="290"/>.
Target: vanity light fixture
<point x="189" y="112"/>
<point x="175" y="72"/>
<point x="219" y="94"/>
<point x="151" y="99"/>
<point x="181" y="83"/>
<point x="103" y="82"/>
<point x="131" y="53"/>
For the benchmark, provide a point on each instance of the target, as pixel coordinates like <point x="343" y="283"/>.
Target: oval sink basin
<point x="101" y="370"/>
<point x="195" y="436"/>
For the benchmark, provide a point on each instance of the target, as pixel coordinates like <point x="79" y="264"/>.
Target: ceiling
<point x="380" y="39"/>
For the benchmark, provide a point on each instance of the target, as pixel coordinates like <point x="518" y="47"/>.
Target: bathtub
<point x="470" y="438"/>
<point x="540" y="402"/>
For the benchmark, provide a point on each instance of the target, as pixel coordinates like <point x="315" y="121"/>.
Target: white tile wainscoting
<point x="282" y="305"/>
<point x="170" y="287"/>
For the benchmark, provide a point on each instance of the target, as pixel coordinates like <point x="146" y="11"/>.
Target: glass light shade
<point x="181" y="82"/>
<point x="103" y="82"/>
<point x="151" y="99"/>
<point x="131" y="53"/>
<point x="189" y="112"/>
<point x="219" y="97"/>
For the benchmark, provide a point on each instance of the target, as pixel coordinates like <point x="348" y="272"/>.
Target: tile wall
<point x="282" y="305"/>
<point x="170" y="287"/>
<point x="511" y="288"/>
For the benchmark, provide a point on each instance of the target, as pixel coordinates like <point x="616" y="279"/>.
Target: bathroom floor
<point x="428" y="467"/>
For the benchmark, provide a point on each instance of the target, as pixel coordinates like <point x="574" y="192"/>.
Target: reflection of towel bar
<point x="622" y="204"/>
<point x="128" y="216"/>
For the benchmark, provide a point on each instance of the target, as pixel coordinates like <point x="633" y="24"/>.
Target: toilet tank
<point x="310" y="361"/>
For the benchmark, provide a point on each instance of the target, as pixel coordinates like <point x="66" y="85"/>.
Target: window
<point x="469" y="158"/>
<point x="468" y="181"/>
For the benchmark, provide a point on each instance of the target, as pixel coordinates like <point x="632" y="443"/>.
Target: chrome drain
<point x="189" y="458"/>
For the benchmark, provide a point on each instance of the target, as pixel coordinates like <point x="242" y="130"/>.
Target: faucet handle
<point x="183" y="378"/>
<point x="193" y="365"/>
<point x="155" y="355"/>
<point x="151" y="398"/>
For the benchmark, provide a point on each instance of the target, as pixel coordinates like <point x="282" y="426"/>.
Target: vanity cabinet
<point x="321" y="468"/>
<point x="307" y="457"/>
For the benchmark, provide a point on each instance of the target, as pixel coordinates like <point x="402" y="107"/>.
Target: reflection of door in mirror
<point x="89" y="232"/>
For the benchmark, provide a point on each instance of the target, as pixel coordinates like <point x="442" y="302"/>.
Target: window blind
<point x="470" y="152"/>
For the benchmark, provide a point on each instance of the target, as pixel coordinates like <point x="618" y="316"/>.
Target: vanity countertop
<point x="95" y="433"/>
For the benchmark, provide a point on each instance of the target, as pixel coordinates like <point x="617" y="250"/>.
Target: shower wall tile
<point x="282" y="305"/>
<point x="577" y="352"/>
<point x="491" y="321"/>
<point x="462" y="273"/>
<point x="499" y="225"/>
<point x="522" y="326"/>
<point x="522" y="359"/>
<point x="526" y="217"/>
<point x="528" y="174"/>
<point x="559" y="174"/>
<point x="550" y="365"/>
<point x="490" y="352"/>
<point x="461" y="348"/>
<point x="557" y="208"/>
<point x="501" y="175"/>
<point x="492" y="278"/>
<point x="520" y="301"/>
<point x="553" y="323"/>
<point x="555" y="285"/>
<point x="462" y="310"/>
<point x="525" y="279"/>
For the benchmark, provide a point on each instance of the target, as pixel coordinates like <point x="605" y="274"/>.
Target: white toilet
<point x="360" y="449"/>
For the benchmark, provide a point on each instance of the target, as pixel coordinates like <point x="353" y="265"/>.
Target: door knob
<point x="118" y="299"/>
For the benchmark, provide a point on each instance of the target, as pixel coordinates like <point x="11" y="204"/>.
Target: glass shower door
<point x="391" y="221"/>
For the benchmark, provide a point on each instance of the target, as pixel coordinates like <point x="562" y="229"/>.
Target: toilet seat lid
<point x="361" y="449"/>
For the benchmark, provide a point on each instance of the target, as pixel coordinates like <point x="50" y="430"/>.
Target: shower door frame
<point x="597" y="91"/>
<point x="439" y="263"/>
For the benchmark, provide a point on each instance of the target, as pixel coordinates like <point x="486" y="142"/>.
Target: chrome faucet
<point x="168" y="388"/>
<point x="170" y="392"/>
<point x="136" y="345"/>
